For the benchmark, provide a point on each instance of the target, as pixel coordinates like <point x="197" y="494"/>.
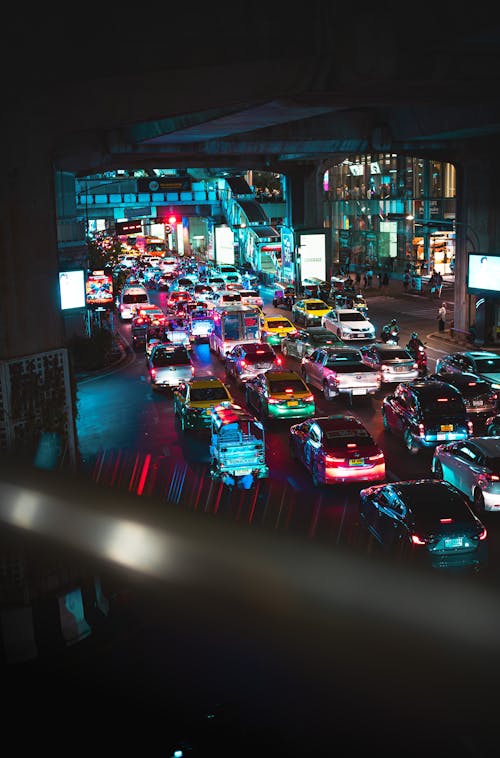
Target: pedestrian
<point x="438" y="279"/>
<point x="385" y="279"/>
<point x="406" y="281"/>
<point x="369" y="277"/>
<point x="442" y="317"/>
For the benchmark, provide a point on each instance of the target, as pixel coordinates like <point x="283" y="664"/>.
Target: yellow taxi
<point x="274" y="328"/>
<point x="195" y="399"/>
<point x="309" y="311"/>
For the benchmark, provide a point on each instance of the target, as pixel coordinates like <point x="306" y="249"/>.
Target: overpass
<point x="291" y="94"/>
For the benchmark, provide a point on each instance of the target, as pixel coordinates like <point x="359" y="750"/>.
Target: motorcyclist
<point x="414" y="343"/>
<point x="390" y="330"/>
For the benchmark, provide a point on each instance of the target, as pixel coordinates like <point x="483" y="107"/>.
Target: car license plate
<point x="477" y="403"/>
<point x="400" y="368"/>
<point x="446" y="427"/>
<point x="356" y="461"/>
<point x="453" y="542"/>
<point x="359" y="391"/>
<point x="293" y="402"/>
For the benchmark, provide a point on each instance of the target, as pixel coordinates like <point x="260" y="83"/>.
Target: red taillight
<point x="483" y="534"/>
<point x="289" y="391"/>
<point x="309" y="398"/>
<point x="421" y="430"/>
<point x="243" y="364"/>
<point x="491" y="477"/>
<point x="278" y="360"/>
<point x="445" y="520"/>
<point x="416" y="540"/>
<point x="375" y="458"/>
<point x="192" y="370"/>
<point x="470" y="427"/>
<point x="333" y="459"/>
<point x="153" y="373"/>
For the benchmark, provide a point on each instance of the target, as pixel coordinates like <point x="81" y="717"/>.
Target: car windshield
<point x="129" y="299"/>
<point x="443" y="405"/>
<point x="288" y="386"/>
<point x="393" y="354"/>
<point x="488" y="365"/>
<point x="208" y="393"/>
<point x="347" y="357"/>
<point x="165" y="357"/>
<point x="324" y="338"/>
<point x="316" y="306"/>
<point x="356" y="316"/>
<point x="341" y="438"/>
<point x="279" y="323"/>
<point x="249" y="293"/>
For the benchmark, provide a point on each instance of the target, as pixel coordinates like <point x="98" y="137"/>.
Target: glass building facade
<point x="391" y="212"/>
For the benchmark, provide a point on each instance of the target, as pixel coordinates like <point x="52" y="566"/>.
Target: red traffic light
<point x="172" y="220"/>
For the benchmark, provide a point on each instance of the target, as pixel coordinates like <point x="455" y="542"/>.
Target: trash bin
<point x="416" y="283"/>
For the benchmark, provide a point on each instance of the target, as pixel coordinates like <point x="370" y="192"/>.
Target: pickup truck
<point x="237" y="446"/>
<point x="340" y="370"/>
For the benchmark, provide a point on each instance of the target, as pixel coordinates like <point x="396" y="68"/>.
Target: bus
<point x="233" y="323"/>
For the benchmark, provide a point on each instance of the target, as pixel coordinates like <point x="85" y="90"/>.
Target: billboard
<point x="483" y="274"/>
<point x="99" y="290"/>
<point x="224" y="245"/>
<point x="312" y="249"/>
<point x="72" y="289"/>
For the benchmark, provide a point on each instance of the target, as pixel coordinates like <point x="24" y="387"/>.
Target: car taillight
<point x="278" y="360"/>
<point x="153" y="373"/>
<point x="470" y="427"/>
<point x="333" y="459"/>
<point x="272" y="401"/>
<point x="375" y="458"/>
<point x="490" y="477"/>
<point x="243" y="364"/>
<point x="416" y="540"/>
<point x="309" y="398"/>
<point x="192" y="370"/>
<point x="482" y="534"/>
<point x="421" y="430"/>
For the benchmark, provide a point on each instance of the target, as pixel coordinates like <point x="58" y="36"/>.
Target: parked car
<point x="348" y="324"/>
<point x="484" y="364"/>
<point x="481" y="400"/>
<point x="303" y="342"/>
<point x="247" y="359"/>
<point x="425" y="414"/>
<point x="169" y="365"/>
<point x="274" y="328"/>
<point x="424" y="520"/>
<point x="309" y="311"/>
<point x="336" y="449"/>
<point x="473" y="466"/>
<point x="395" y="363"/>
<point x="195" y="399"/>
<point x="279" y="394"/>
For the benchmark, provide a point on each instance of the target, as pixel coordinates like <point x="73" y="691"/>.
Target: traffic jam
<point x="276" y="361"/>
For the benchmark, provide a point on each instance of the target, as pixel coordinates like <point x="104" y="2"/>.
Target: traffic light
<point x="172" y="220"/>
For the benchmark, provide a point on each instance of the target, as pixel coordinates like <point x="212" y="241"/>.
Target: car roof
<point x="251" y="347"/>
<point x="433" y="387"/>
<point x="490" y="446"/>
<point x="459" y="379"/>
<point x="337" y="421"/>
<point x="428" y="493"/>
<point x="478" y="354"/>
<point x="314" y="300"/>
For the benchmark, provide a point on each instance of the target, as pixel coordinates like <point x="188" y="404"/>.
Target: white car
<point x="348" y="324"/>
<point x="251" y="297"/>
<point x="473" y="466"/>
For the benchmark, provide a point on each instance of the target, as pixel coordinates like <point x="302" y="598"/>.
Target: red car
<point x="337" y="449"/>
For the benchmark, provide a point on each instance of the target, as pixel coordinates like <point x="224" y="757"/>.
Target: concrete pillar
<point x="35" y="382"/>
<point x="305" y="203"/>
<point x="477" y="225"/>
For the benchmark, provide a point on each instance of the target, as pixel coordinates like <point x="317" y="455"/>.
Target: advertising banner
<point x="99" y="290"/>
<point x="224" y="245"/>
<point x="312" y="250"/>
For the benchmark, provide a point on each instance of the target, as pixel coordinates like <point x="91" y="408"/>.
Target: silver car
<point x="245" y="360"/>
<point x="169" y="366"/>
<point x="473" y="466"/>
<point x="394" y="363"/>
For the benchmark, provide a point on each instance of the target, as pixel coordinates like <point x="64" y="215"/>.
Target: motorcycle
<point x="419" y="355"/>
<point x="390" y="334"/>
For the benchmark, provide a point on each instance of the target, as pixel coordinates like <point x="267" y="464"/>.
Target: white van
<point x="130" y="299"/>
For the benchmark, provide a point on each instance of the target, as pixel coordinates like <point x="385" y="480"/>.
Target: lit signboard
<point x="99" y="290"/>
<point x="72" y="289"/>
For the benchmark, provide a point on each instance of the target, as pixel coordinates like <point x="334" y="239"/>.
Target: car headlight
<point x="496" y="386"/>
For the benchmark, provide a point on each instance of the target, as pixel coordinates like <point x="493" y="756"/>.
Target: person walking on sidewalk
<point x="442" y="317"/>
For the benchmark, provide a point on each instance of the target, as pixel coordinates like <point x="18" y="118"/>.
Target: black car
<point x="426" y="414"/>
<point x="484" y="364"/>
<point x="304" y="341"/>
<point x="480" y="398"/>
<point x="426" y="520"/>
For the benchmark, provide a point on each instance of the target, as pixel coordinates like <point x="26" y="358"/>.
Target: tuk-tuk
<point x="284" y="295"/>
<point x="237" y="446"/>
<point x="139" y="331"/>
<point x="359" y="304"/>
